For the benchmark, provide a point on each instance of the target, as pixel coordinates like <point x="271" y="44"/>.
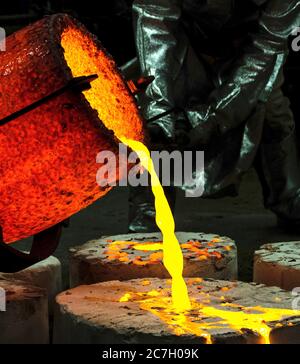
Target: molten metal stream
<point x="173" y="258"/>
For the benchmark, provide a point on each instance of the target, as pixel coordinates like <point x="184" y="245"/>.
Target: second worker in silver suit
<point x="218" y="64"/>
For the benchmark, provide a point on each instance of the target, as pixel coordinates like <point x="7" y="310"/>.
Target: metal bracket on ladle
<point x="80" y="84"/>
<point x="44" y="244"/>
<point x="77" y="84"/>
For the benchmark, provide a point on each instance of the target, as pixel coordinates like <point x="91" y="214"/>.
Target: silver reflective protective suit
<point x="218" y="65"/>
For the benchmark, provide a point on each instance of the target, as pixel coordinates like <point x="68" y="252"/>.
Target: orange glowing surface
<point x="152" y="252"/>
<point x="108" y="95"/>
<point x="48" y="155"/>
<point x="203" y="317"/>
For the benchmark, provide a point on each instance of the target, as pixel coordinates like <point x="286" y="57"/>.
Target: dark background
<point x="243" y="218"/>
<point x="110" y="20"/>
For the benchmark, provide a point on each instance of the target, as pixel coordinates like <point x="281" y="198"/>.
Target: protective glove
<point x="204" y="126"/>
<point x="169" y="131"/>
<point x="179" y="139"/>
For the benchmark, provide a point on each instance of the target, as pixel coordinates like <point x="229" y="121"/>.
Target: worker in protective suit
<point x="218" y="65"/>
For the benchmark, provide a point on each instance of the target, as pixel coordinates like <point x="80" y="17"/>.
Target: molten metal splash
<point x="202" y="318"/>
<point x="148" y="246"/>
<point x="121" y="251"/>
<point x="118" y="251"/>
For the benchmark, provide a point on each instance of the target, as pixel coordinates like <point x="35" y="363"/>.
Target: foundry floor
<point x="244" y="219"/>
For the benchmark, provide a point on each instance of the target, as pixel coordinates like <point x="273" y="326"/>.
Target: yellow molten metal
<point x="202" y="318"/>
<point x="173" y="258"/>
<point x="147" y="247"/>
